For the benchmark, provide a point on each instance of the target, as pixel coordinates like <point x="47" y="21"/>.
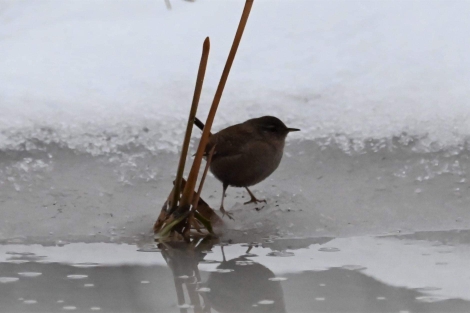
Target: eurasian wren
<point x="247" y="153"/>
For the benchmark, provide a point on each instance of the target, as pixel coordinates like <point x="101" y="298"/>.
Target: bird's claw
<point x="254" y="200"/>
<point x="230" y="215"/>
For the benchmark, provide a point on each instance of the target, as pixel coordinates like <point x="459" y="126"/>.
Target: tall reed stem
<point x="187" y="137"/>
<point x="192" y="178"/>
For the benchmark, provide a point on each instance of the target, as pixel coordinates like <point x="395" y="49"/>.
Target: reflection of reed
<point x="183" y="259"/>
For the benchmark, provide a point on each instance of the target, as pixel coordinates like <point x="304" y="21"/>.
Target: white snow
<point x="364" y="69"/>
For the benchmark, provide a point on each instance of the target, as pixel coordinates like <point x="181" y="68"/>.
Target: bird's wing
<point x="229" y="144"/>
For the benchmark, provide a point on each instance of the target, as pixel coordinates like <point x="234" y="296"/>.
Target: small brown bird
<point x="247" y="153"/>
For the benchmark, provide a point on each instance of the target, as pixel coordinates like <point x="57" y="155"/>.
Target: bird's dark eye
<point x="270" y="128"/>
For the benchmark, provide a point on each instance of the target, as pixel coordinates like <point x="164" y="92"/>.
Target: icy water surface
<point x="419" y="272"/>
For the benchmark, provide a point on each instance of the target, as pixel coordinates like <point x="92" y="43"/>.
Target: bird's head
<point x="271" y="127"/>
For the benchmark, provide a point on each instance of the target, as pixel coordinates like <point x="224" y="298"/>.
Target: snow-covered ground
<point x="94" y="97"/>
<point x="359" y="68"/>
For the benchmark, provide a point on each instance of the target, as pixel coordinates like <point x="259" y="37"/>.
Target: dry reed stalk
<point x="182" y="219"/>
<point x="183" y="208"/>
<point x="172" y="202"/>
<point x="189" y="189"/>
<point x="191" y="220"/>
<point x="203" y="178"/>
<point x="189" y="126"/>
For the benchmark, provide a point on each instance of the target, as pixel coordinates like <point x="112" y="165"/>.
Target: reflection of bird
<point x="247" y="153"/>
<point x="242" y="289"/>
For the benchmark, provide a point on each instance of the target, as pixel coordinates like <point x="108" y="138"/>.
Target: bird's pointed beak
<point x="293" y="130"/>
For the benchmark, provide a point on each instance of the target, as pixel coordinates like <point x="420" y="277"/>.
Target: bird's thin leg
<point x="253" y="198"/>
<point x="225" y="186"/>
<point x="223" y="254"/>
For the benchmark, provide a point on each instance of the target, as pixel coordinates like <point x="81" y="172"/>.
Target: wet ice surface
<point x="80" y="230"/>
<point x="418" y="272"/>
<point x="319" y="189"/>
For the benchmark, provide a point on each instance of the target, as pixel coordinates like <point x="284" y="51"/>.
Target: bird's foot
<point x="254" y="200"/>
<point x="230" y="215"/>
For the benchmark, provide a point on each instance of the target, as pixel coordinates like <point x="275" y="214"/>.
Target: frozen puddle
<point x="420" y="272"/>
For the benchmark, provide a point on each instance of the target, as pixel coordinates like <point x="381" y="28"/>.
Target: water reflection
<point x="248" y="287"/>
<point x="421" y="272"/>
<point x="236" y="285"/>
<point x="183" y="260"/>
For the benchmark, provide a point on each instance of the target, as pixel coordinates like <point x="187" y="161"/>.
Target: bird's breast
<point x="249" y="167"/>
